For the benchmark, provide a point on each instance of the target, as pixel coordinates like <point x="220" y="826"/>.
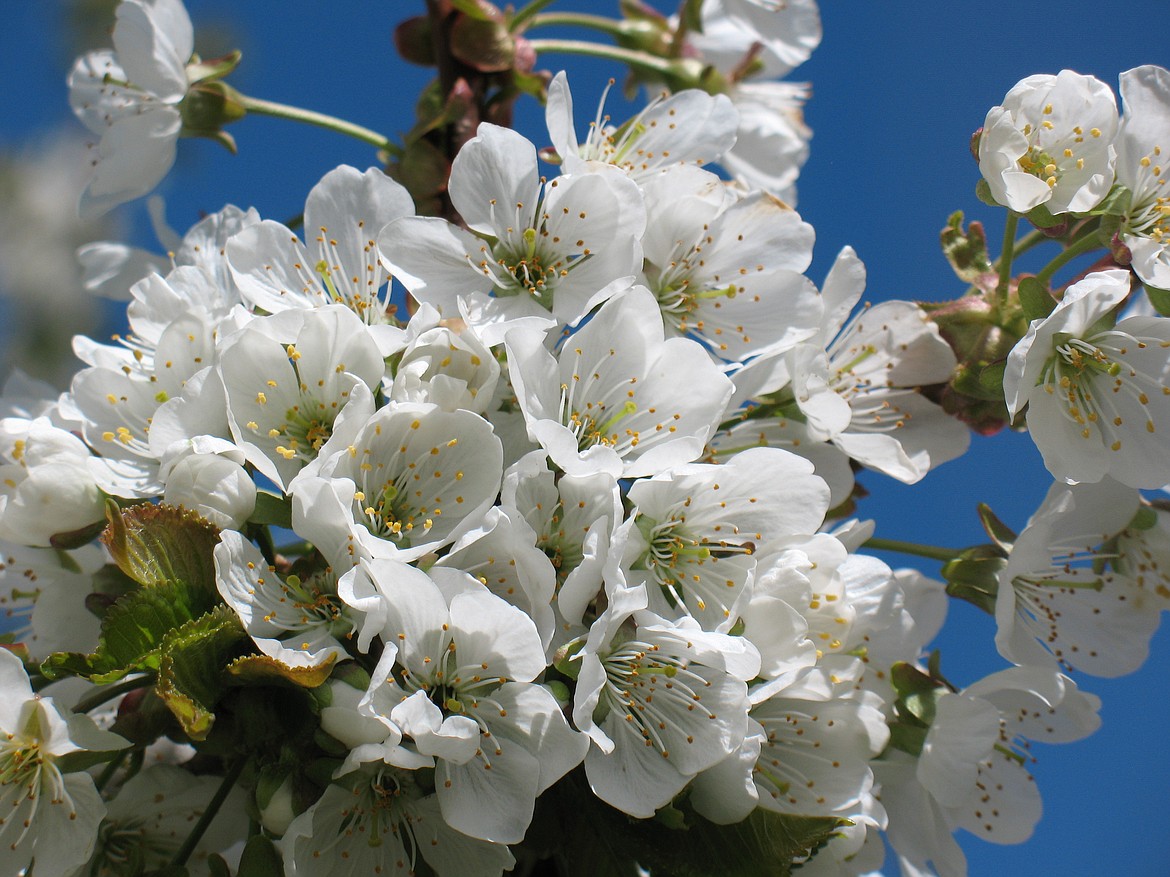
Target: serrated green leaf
<point x="191" y="671"/>
<point x="260" y="859"/>
<point x="276" y="511"/>
<point x="133" y="632"/>
<point x="1035" y="298"/>
<point x="159" y="544"/>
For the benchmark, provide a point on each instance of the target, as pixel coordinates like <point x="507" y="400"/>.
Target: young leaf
<point x="966" y="250"/>
<point x="155" y="544"/>
<point x="133" y="631"/>
<point x="191" y="671"/>
<point x="263" y="670"/>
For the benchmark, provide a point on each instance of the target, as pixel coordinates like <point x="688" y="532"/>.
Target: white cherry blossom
<point x="687" y="128"/>
<point x="50" y="816"/>
<point x="610" y="402"/>
<point x="130" y="97"/>
<point x="337" y="263"/>
<point x="1142" y="144"/>
<point x="1050" y="143"/>
<point x="1056" y="603"/>
<point x="726" y="270"/>
<point x="413" y="479"/>
<point x="1097" y="395"/>
<point x="457" y="677"/>
<point x="537" y="253"/>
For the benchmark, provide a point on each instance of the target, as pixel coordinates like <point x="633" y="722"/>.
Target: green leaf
<point x="608" y="843"/>
<point x="966" y="250"/>
<point x="260" y="859"/>
<point x="273" y="510"/>
<point x="191" y="672"/>
<point x="133" y="632"/>
<point x="217" y="867"/>
<point x="1035" y="298"/>
<point x="158" y="544"/>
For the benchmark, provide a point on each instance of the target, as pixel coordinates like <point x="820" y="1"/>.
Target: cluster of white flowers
<point x="576" y="506"/>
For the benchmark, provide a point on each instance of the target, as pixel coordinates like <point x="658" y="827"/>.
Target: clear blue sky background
<point x="898" y="89"/>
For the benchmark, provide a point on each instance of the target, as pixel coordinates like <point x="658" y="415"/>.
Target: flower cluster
<point x="425" y="535"/>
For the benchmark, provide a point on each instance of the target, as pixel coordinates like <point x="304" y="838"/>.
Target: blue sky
<point x="898" y="89"/>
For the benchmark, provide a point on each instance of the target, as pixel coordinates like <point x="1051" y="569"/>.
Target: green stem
<point x="611" y="26"/>
<point x="208" y="814"/>
<point x="521" y="18"/>
<point x="931" y="551"/>
<point x="1078" y="248"/>
<point x="96" y="698"/>
<point x="613" y="53"/>
<point x="321" y="120"/>
<point x="1005" y="258"/>
<point x="110" y="769"/>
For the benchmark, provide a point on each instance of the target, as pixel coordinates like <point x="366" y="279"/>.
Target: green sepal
<point x="974" y="576"/>
<point x="991" y="380"/>
<point x="321" y="770"/>
<point x="480" y="10"/>
<point x="273" y="510"/>
<point x="134" y="630"/>
<point x="260" y="859"/>
<point x="907" y="738"/>
<point x="966" y="250"/>
<point x="1041" y="217"/>
<point x="1159" y="298"/>
<point x="1145" y="519"/>
<point x="983" y="193"/>
<point x="217" y="867"/>
<point x="1118" y="202"/>
<point x="81" y="759"/>
<point x="157" y="544"/>
<point x="1035" y="298"/>
<point x="77" y="538"/>
<point x="191" y="672"/>
<point x="199" y="70"/>
<point x="261" y="670"/>
<point x="999" y="532"/>
<point x="909" y="681"/>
